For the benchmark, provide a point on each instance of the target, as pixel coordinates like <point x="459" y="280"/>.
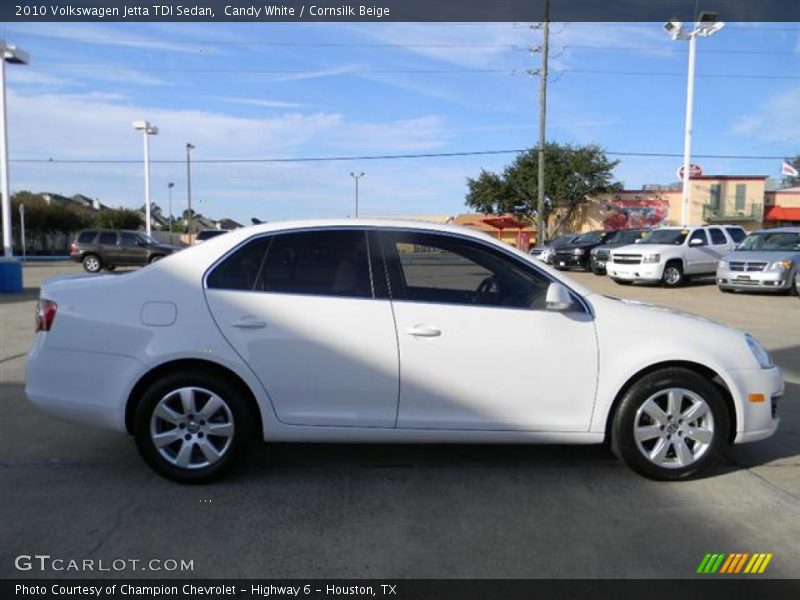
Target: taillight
<point x="45" y="314"/>
<point x="73" y="249"/>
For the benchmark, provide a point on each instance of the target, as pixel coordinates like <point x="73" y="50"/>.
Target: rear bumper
<point x="86" y="388"/>
<point x="756" y="420"/>
<point x="640" y="272"/>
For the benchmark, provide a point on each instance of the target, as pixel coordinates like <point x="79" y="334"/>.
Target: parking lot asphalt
<point x="393" y="511"/>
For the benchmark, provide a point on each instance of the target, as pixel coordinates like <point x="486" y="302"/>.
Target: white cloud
<point x="777" y="120"/>
<point x="264" y="103"/>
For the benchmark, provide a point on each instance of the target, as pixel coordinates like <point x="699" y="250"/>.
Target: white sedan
<point x="382" y="331"/>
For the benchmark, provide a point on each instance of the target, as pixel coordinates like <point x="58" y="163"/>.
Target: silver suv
<point x="766" y="260"/>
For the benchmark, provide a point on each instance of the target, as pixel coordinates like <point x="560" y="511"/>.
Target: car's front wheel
<point x="156" y="257"/>
<point x="673" y="274"/>
<point x="671" y="424"/>
<point x="192" y="427"/>
<point x="92" y="263"/>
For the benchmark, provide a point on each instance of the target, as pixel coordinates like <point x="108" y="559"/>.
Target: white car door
<point x="301" y="311"/>
<point x="720" y="245"/>
<point x="478" y="350"/>
<point x="699" y="256"/>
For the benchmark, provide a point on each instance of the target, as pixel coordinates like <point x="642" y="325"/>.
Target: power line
<point x="669" y="49"/>
<point x="374" y="157"/>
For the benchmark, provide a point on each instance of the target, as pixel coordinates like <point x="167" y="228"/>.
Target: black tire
<point x="239" y="414"/>
<point x="726" y="290"/>
<point x="92" y="263"/>
<point x="622" y="281"/>
<point x="673" y="274"/>
<point x="598" y="271"/>
<point x="705" y="455"/>
<point x="110" y="267"/>
<point x="155" y="257"/>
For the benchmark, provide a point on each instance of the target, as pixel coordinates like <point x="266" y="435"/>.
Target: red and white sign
<point x="694" y="171"/>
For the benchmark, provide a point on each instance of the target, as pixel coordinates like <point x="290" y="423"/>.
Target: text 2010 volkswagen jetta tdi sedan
<point x="380" y="331"/>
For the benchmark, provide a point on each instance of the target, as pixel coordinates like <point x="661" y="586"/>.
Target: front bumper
<point x="767" y="281"/>
<point x="569" y="261"/>
<point x="756" y="420"/>
<point x="640" y="272"/>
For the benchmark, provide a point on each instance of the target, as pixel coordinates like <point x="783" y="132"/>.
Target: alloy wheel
<point x="192" y="427"/>
<point x="674" y="428"/>
<point x="672" y="275"/>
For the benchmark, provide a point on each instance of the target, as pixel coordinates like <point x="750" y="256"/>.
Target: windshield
<point x="666" y="236"/>
<point x="628" y="237"/>
<point x="147" y="238"/>
<point x="771" y="241"/>
<point x="593" y="237"/>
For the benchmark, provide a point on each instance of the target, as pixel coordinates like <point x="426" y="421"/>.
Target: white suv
<point x="671" y="254"/>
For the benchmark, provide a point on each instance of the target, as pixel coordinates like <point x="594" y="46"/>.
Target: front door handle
<point x="249" y="323"/>
<point x="424" y="331"/>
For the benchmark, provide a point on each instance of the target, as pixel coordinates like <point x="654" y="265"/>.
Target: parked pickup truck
<point x="671" y="254"/>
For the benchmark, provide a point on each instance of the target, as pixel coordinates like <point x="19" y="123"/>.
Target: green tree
<point x="573" y="175"/>
<point x="792" y="181"/>
<point x="118" y="218"/>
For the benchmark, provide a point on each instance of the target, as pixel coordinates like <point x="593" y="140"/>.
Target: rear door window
<point x="717" y="237"/>
<point x="737" y="233"/>
<point x="327" y="263"/>
<point x="107" y="238"/>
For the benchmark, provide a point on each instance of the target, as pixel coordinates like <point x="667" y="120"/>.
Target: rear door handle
<point x="424" y="331"/>
<point x="249" y="323"/>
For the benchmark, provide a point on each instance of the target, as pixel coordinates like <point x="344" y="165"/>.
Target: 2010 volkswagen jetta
<point x="382" y="331"/>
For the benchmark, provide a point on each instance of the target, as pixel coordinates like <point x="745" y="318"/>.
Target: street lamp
<point x="147" y="129"/>
<point x="10" y="269"/>
<point x="189" y="148"/>
<point x="706" y="26"/>
<point x="356" y="177"/>
<point x="170" y="185"/>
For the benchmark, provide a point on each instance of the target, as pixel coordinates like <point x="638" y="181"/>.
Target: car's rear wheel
<point x="191" y="427"/>
<point x="671" y="424"/>
<point x="92" y="263"/>
<point x="673" y="274"/>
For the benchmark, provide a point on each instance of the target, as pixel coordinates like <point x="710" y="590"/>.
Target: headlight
<point x="722" y="265"/>
<point x="593" y="252"/>
<point x="762" y="356"/>
<point x="651" y="258"/>
<point x="783" y="265"/>
<point x="579" y="252"/>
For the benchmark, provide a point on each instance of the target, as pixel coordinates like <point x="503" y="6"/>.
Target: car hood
<point x="763" y="255"/>
<point x="642" y="248"/>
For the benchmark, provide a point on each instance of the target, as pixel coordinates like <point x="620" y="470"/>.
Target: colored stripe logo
<point x="737" y="562"/>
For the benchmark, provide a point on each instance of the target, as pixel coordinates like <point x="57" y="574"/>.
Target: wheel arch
<point x="187" y="364"/>
<point x="702" y="370"/>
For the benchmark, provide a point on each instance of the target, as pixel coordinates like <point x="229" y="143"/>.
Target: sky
<point x="295" y="90"/>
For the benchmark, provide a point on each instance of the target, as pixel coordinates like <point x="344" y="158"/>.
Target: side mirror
<point x="696" y="242"/>
<point x="558" y="298"/>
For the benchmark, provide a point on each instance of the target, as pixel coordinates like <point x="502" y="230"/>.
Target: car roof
<point x="778" y="230"/>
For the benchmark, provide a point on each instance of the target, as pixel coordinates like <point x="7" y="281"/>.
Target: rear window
<point x="87" y="237"/>
<point x="107" y="238"/>
<point x="240" y="269"/>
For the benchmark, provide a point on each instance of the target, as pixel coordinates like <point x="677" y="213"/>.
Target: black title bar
<point x="392" y="10"/>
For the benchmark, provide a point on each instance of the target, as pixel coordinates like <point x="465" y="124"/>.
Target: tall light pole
<point x="10" y="270"/>
<point x="170" y="185"/>
<point x="356" y="177"/>
<point x="147" y="129"/>
<point x="189" y="148"/>
<point x="705" y="26"/>
<point x="540" y="182"/>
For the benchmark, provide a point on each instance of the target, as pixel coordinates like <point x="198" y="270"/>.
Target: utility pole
<point x="189" y="148"/>
<point x="170" y="185"/>
<point x="540" y="182"/>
